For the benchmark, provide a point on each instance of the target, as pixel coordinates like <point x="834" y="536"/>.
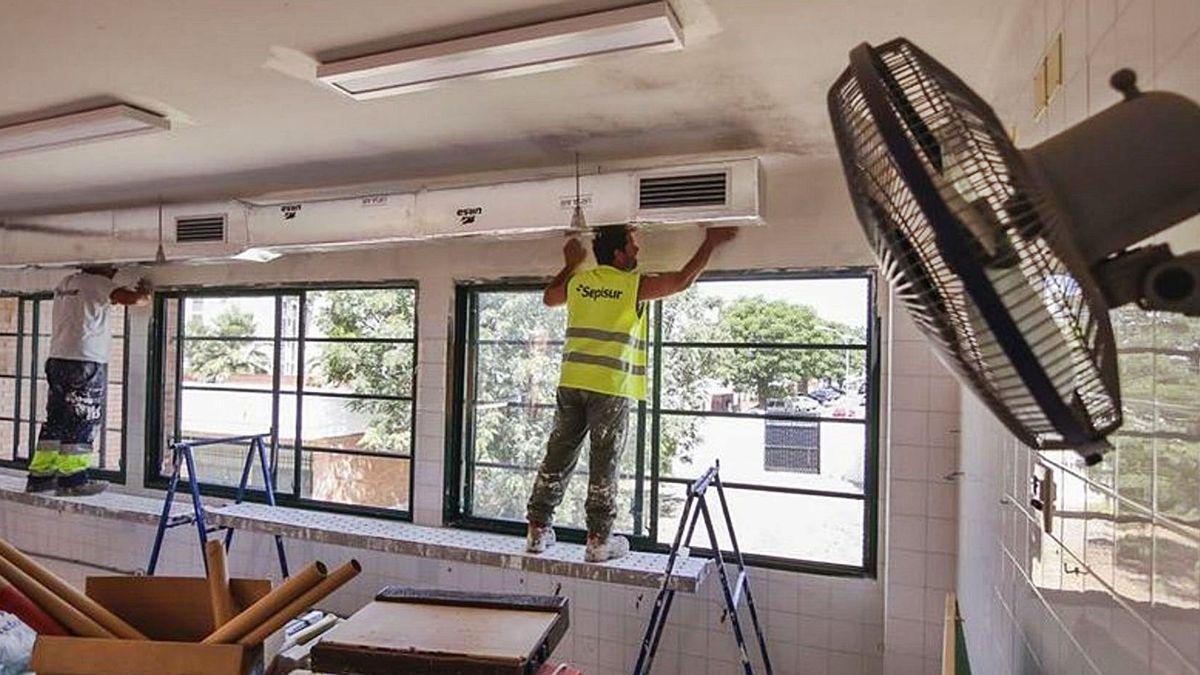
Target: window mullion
<point x="301" y="335"/>
<point x="276" y="380"/>
<point x="655" y="421"/>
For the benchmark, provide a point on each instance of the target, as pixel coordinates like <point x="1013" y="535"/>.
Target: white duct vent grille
<point x="200" y="229"/>
<point x="671" y="192"/>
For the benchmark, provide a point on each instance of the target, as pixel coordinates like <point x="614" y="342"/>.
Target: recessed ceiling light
<point x="516" y="51"/>
<point x="114" y="121"/>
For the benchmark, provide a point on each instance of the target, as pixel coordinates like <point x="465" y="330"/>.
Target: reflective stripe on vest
<point x="605" y="351"/>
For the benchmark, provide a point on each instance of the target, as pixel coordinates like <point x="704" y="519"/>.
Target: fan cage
<point x="1011" y="227"/>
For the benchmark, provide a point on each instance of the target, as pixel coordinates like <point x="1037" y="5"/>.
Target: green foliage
<point x="773" y="373"/>
<point x="217" y="361"/>
<point x="367" y="368"/>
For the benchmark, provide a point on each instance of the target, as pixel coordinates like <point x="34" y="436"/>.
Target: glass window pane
<point x="239" y="363"/>
<point x="830" y="311"/>
<point x="517" y="373"/>
<point x="9" y="312"/>
<point x="792" y="382"/>
<point x="7" y="439"/>
<point x="519" y="316"/>
<point x="115" y="406"/>
<point x="8" y="397"/>
<point x="361" y="313"/>
<point x="380" y="482"/>
<point x="8" y="355"/>
<point x="232" y="316"/>
<point x="510" y="442"/>
<point x="817" y="529"/>
<point x="111" y="460"/>
<point x="365" y="369"/>
<point x="782" y="453"/>
<point x="218" y="414"/>
<point x="372" y="425"/>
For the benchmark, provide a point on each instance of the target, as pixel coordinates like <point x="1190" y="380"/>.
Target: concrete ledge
<point x="477" y="548"/>
<point x="112" y="505"/>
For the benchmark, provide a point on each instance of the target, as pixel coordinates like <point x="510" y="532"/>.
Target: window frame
<point x="31" y="426"/>
<point x="456" y="497"/>
<point x="156" y="386"/>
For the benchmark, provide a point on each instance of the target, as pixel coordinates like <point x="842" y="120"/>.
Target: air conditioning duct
<point x="728" y="191"/>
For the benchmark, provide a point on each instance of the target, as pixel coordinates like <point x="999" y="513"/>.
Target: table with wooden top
<point x="431" y="631"/>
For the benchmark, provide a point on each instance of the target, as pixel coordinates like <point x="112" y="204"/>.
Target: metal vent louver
<point x="673" y="192"/>
<point x="200" y="229"/>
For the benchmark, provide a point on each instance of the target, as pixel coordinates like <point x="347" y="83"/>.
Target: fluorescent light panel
<point x="516" y="51"/>
<point x="114" y="121"/>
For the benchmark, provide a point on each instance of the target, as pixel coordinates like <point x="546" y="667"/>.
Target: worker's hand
<point x="715" y="236"/>
<point x="573" y="252"/>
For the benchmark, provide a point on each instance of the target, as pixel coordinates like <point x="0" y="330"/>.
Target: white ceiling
<point x="235" y="77"/>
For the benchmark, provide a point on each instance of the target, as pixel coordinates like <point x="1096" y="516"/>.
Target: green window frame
<point x="302" y="371"/>
<point x="24" y="341"/>
<point x="478" y="352"/>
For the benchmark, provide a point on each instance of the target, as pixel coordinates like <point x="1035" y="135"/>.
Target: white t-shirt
<point x="81" y="303"/>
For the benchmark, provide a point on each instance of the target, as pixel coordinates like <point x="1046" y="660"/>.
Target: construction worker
<point x="603" y="371"/>
<point x="77" y="374"/>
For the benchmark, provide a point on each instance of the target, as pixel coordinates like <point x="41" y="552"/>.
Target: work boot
<point x="87" y="488"/>
<point x="600" y="550"/>
<point x="539" y="538"/>
<point x="39" y="483"/>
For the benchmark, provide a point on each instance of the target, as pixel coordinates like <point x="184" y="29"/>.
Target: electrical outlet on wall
<point x="1042" y="493"/>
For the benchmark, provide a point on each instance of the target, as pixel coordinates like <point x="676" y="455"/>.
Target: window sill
<point x="476" y="548"/>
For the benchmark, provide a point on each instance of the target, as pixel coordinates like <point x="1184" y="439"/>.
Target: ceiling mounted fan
<point x="1009" y="260"/>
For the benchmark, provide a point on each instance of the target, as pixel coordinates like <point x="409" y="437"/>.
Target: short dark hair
<point x="608" y="240"/>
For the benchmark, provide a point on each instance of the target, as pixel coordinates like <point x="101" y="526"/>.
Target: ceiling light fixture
<point x="516" y="51"/>
<point x="258" y="255"/>
<point x="114" y="121"/>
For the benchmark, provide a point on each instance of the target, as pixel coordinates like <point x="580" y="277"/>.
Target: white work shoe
<point x="610" y="549"/>
<point x="539" y="538"/>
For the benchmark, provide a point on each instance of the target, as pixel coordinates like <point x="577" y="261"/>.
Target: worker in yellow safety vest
<point x="603" y="370"/>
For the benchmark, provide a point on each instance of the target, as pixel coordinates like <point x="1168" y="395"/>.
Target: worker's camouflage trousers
<point x="74" y="406"/>
<point x="579" y="412"/>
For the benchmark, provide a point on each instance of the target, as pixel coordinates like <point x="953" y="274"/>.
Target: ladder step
<point x="738" y="587"/>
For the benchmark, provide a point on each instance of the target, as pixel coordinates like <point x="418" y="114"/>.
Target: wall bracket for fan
<point x="1154" y="278"/>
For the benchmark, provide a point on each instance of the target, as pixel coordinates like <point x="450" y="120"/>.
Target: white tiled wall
<point x="1116" y="587"/>
<point x="921" y="505"/>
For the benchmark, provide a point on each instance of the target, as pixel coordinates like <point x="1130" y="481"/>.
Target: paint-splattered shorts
<point x="578" y="413"/>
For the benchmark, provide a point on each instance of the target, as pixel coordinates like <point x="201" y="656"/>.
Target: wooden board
<point x="437" y="632"/>
<point x="169" y="608"/>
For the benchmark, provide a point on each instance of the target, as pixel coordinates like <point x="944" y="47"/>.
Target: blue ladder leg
<point x="193" y="482"/>
<point x="166" y="513"/>
<point x="241" y="491"/>
<point x="269" y="485"/>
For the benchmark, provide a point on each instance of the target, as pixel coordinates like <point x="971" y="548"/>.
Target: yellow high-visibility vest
<point x="605" y="351"/>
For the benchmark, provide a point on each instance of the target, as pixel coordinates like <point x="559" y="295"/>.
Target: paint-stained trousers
<point x="73" y="409"/>
<point x="579" y="412"/>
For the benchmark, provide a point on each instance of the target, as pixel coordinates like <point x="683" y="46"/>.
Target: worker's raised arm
<point x="556" y="293"/>
<point x="662" y="285"/>
<point x="126" y="296"/>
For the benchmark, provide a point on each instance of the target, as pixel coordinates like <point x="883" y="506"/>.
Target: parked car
<point x="805" y="405"/>
<point x="825" y="394"/>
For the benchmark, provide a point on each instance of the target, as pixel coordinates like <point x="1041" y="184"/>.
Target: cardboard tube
<point x="14" y="602"/>
<point x="314" y="595"/>
<point x="218" y="583"/>
<point x="268" y="605"/>
<point x="112" y="624"/>
<point x="75" y="621"/>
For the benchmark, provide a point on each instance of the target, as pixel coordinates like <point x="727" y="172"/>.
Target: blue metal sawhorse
<point x="181" y="452"/>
